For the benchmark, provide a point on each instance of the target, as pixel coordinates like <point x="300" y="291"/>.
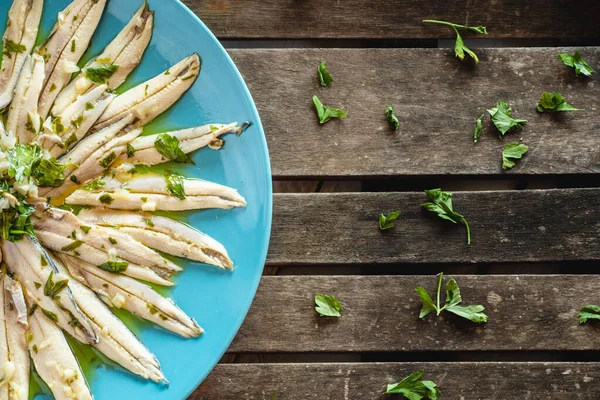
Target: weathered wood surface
<point x="437" y="100"/>
<point x="506" y="226"/>
<point x="268" y="19"/>
<point x="527" y="312"/>
<point x="362" y="381"/>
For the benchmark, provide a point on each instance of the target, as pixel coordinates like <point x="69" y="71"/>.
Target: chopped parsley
<point x="52" y="289"/>
<point x="95" y="184"/>
<point x="168" y="147"/>
<point x="101" y="73"/>
<point x="106" y="199"/>
<point x="175" y="185"/>
<point x="511" y="152"/>
<point x="71" y="247"/>
<point x="324" y="76"/>
<point x="386" y="221"/>
<point x="114" y="266"/>
<point x="391" y="117"/>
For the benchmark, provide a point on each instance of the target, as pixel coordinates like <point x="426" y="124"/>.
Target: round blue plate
<point x="218" y="300"/>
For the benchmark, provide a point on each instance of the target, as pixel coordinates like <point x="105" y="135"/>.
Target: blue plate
<point x="218" y="300"/>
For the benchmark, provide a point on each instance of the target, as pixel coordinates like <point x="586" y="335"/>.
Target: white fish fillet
<point x="14" y="359"/>
<point x="145" y="152"/>
<point x="23" y="120"/>
<point x="23" y="22"/>
<point x="54" y="361"/>
<point x="121" y="291"/>
<point x="58" y="229"/>
<point x="149" y="192"/>
<point x="163" y="234"/>
<point x="65" y="46"/>
<point x="125" y="51"/>
<point x="151" y="98"/>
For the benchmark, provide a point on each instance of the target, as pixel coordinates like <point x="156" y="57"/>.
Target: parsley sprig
<point x="324" y="76"/>
<point x="386" y="221"/>
<point x="452" y="304"/>
<point x="576" y="62"/>
<point x="326" y="113"/>
<point x="459" y="47"/>
<point x="553" y="102"/>
<point x="391" y="117"/>
<point x="589" y="312"/>
<point x="413" y="388"/>
<point x="441" y="204"/>
<point x="512" y="151"/>
<point x="503" y="119"/>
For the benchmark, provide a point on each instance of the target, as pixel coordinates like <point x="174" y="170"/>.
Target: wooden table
<point x="536" y="229"/>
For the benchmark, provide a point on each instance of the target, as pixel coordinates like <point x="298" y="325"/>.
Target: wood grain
<point x="381" y="315"/>
<point x="399" y="19"/>
<point x="437" y="100"/>
<point x="506" y="226"/>
<point x="366" y="381"/>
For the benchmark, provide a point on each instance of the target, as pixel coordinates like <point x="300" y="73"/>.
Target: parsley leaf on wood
<point x="328" y="306"/>
<point x="413" y="388"/>
<point x="324" y="76"/>
<point x="553" y="102"/>
<point x="459" y="47"/>
<point x="168" y="147"/>
<point x="386" y="221"/>
<point x="452" y="304"/>
<point x="101" y="73"/>
<point x="441" y="203"/>
<point x="512" y="151"/>
<point x="575" y="61"/>
<point x="478" y="128"/>
<point x="391" y="117"/>
<point x="589" y="312"/>
<point x="326" y="113"/>
<point x="503" y="119"/>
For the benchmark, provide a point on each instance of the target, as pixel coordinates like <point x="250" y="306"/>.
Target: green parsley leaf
<point x="114" y="266"/>
<point x="112" y="240"/>
<point x="441" y="204"/>
<point x="23" y="159"/>
<point x="95" y="184"/>
<point x="109" y="159"/>
<point x="148" y="221"/>
<point x="106" y="199"/>
<point x="51" y="288"/>
<point x="130" y="150"/>
<point x="324" y="75"/>
<point x="478" y="128"/>
<point x="72" y="246"/>
<point x="175" y="185"/>
<point x="13" y="47"/>
<point x="101" y="73"/>
<point x="15" y="222"/>
<point x="589" y="312"/>
<point x="575" y="61"/>
<point x="391" y="117"/>
<point x="459" y="47"/>
<point x="325" y="113"/>
<point x="328" y="306"/>
<point x="49" y="173"/>
<point x="512" y="151"/>
<point x="553" y="102"/>
<point x="452" y="304"/>
<point x="413" y="388"/>
<point x="85" y="229"/>
<point x="502" y="118"/>
<point x="50" y="314"/>
<point x="168" y="147"/>
<point x="386" y="221"/>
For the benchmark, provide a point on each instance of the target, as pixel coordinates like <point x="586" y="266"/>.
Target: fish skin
<point x="190" y="139"/>
<point x="54" y="361"/>
<point x="163" y="234"/>
<point x="116" y="340"/>
<point x="24" y="261"/>
<point x="99" y="99"/>
<point x="54" y="228"/>
<point x="126" y="51"/>
<point x="148" y="192"/>
<point x="120" y="291"/>
<point x="27" y="94"/>
<point x="78" y="34"/>
<point x="24" y="17"/>
<point x="151" y="98"/>
<point x="14" y="359"/>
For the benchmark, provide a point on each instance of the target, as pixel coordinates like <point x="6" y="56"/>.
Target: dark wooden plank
<point x="506" y="226"/>
<point x="364" y="381"/>
<point x="381" y="314"/>
<point x="377" y="19"/>
<point x="437" y="100"/>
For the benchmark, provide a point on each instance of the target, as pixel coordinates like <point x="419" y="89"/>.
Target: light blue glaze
<point x="218" y="300"/>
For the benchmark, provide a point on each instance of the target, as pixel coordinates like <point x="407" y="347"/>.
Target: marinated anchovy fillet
<point x="23" y="121"/>
<point x="121" y="291"/>
<point x="21" y="31"/>
<point x="151" y="98"/>
<point x="14" y="359"/>
<point x="91" y="157"/>
<point x="75" y="121"/>
<point x="62" y="232"/>
<point x="115" y="63"/>
<point x="53" y="359"/>
<point x="163" y="234"/>
<point x="116" y="340"/>
<point x="150" y="192"/>
<point x="33" y="267"/>
<point x="65" y="46"/>
<point x="144" y="149"/>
